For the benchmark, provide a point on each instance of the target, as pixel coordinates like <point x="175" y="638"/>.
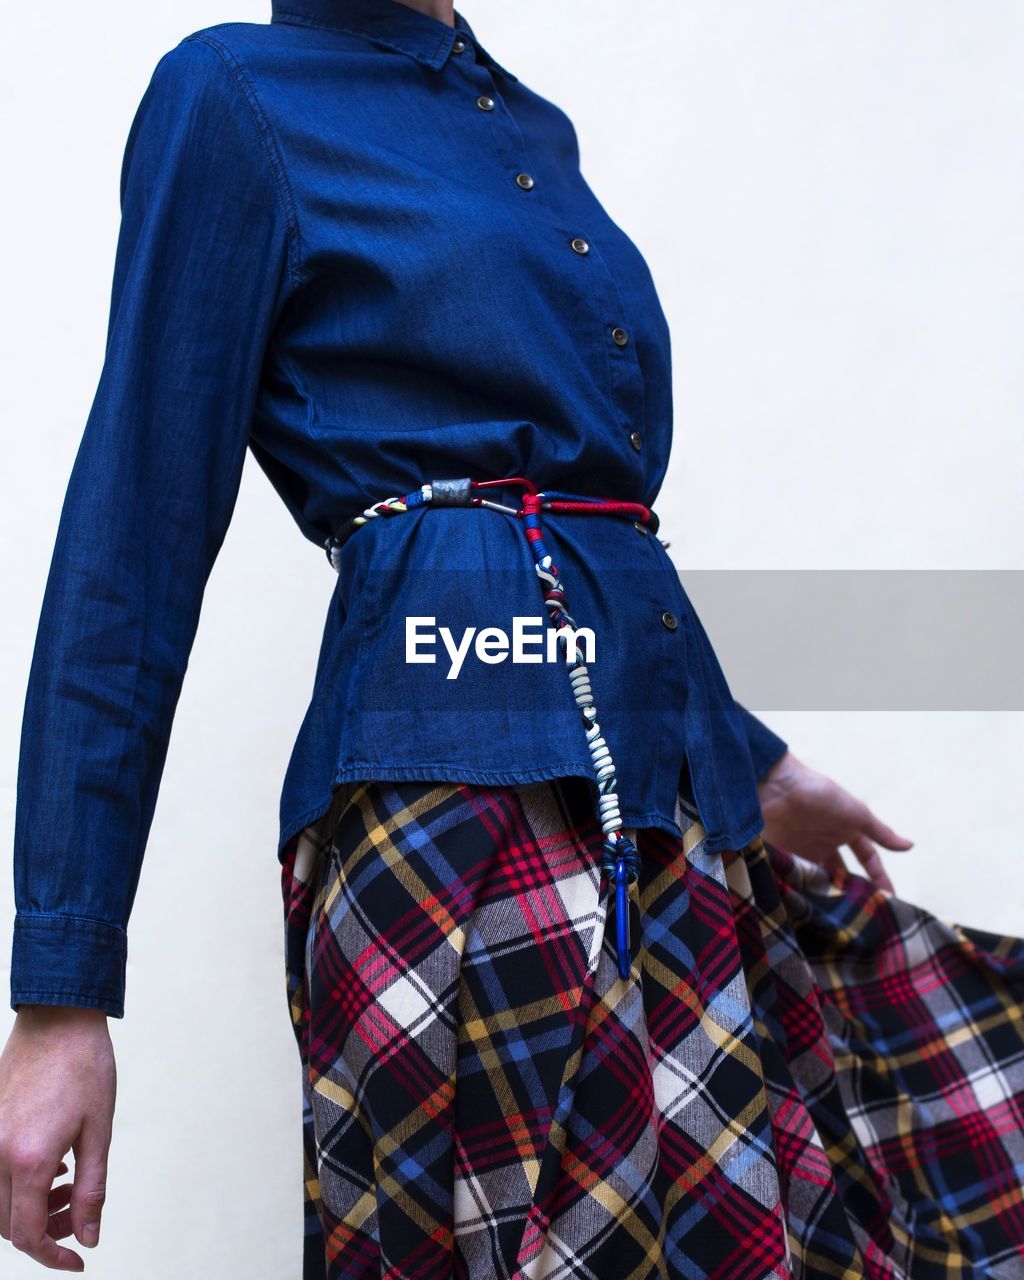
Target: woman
<point x="566" y="1003"/>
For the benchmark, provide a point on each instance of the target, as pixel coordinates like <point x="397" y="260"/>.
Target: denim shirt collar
<point x="387" y="23"/>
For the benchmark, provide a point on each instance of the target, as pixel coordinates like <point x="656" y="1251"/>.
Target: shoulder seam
<point x="247" y="88"/>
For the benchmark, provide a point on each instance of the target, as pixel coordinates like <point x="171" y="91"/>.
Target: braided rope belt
<point x="620" y="862"/>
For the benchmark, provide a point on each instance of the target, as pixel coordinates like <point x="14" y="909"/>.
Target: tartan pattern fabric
<point x="803" y="1077"/>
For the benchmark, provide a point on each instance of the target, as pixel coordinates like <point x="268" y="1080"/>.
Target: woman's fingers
<point x="834" y="865"/>
<point x="871" y="860"/>
<point x="884" y="835"/>
<point x="60" y="1215"/>
<point x="30" y="1220"/>
<point x="59" y="1196"/>
<point x="89" y="1191"/>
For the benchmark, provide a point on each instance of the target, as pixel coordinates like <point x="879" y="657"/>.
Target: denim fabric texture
<point x="355" y="245"/>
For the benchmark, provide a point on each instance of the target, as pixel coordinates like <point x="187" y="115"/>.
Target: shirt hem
<point x="364" y="770"/>
<point x="727" y="840"/>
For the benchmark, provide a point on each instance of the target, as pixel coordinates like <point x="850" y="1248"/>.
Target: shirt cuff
<point x="68" y="960"/>
<point x="766" y="747"/>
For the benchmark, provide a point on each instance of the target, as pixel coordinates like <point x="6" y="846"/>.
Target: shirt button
<point x="620" y="337"/>
<point x="485" y="103"/>
<point x="579" y="245"/>
<point x="669" y="620"/>
<point x="635" y="440"/>
<point x="524" y="180"/>
<point x="458" y="45"/>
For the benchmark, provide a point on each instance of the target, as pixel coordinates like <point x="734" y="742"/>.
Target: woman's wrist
<point x="42" y="1016"/>
<point x="783" y="775"/>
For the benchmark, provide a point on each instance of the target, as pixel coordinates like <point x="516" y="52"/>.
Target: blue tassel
<point x="622" y="916"/>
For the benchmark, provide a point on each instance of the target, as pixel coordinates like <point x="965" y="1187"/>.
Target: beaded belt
<point x="620" y="862"/>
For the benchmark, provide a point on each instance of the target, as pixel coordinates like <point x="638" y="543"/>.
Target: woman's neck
<point x="443" y="10"/>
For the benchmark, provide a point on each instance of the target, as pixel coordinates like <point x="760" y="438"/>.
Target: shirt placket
<point x="599" y="291"/>
<point x="600" y="297"/>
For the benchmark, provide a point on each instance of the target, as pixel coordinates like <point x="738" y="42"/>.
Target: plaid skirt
<point x="804" y="1076"/>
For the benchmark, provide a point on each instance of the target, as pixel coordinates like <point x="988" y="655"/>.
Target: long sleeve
<point x="766" y="747"/>
<point x="200" y="271"/>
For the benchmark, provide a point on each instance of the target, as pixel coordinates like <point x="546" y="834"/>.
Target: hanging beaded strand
<point x="620" y="860"/>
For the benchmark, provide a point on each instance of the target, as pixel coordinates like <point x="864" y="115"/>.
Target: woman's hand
<point x="811" y="816"/>
<point x="57" y="1086"/>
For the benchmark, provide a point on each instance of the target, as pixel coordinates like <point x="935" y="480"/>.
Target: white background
<point x="831" y="199"/>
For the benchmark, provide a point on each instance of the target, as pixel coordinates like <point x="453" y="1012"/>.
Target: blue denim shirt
<point x="330" y="256"/>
